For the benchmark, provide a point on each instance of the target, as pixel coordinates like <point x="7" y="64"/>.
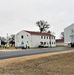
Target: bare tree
<point x="43" y="26"/>
<point x="12" y="39"/>
<point x="49" y="32"/>
<point x="62" y="35"/>
<point x="3" y="40"/>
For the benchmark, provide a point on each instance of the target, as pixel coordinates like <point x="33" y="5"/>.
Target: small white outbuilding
<point x="59" y="42"/>
<point x="34" y="39"/>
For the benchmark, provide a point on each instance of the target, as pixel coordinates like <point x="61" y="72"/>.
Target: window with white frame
<point x="22" y="37"/>
<point x="47" y="37"/>
<point x="41" y="37"/>
<point x="52" y="42"/>
<point x="72" y="30"/>
<point x="44" y="37"/>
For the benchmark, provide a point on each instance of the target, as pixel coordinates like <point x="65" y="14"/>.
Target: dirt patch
<point x="57" y="63"/>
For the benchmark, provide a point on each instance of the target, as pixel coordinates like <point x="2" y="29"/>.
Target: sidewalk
<point x="2" y="50"/>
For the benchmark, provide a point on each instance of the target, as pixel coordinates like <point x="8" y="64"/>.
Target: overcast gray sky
<point x="17" y="15"/>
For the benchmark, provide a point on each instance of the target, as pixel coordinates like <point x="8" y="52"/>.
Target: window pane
<point x="47" y="37"/>
<point x="54" y="37"/>
<point x="22" y="37"/>
<point x="44" y="43"/>
<point x="44" y="37"/>
<point x="41" y="37"/>
<point x="52" y="42"/>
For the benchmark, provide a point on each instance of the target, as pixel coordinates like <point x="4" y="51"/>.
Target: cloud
<point x="16" y="15"/>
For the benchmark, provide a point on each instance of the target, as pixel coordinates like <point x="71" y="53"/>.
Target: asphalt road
<point x="24" y="52"/>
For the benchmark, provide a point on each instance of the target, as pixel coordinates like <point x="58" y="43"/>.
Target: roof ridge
<point x="38" y="33"/>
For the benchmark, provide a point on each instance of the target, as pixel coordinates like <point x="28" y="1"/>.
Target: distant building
<point x="59" y="42"/>
<point x="69" y="35"/>
<point x="34" y="39"/>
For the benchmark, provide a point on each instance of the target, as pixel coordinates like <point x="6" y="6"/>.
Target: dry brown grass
<point x="59" y="63"/>
<point x="10" y="48"/>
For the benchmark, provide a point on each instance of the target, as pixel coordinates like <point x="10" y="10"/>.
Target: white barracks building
<point x="34" y="39"/>
<point x="69" y="35"/>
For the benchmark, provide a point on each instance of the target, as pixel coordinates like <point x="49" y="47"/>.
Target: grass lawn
<point x="58" y="64"/>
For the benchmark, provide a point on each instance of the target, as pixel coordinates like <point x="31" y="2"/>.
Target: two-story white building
<point x="34" y="39"/>
<point x="69" y="35"/>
